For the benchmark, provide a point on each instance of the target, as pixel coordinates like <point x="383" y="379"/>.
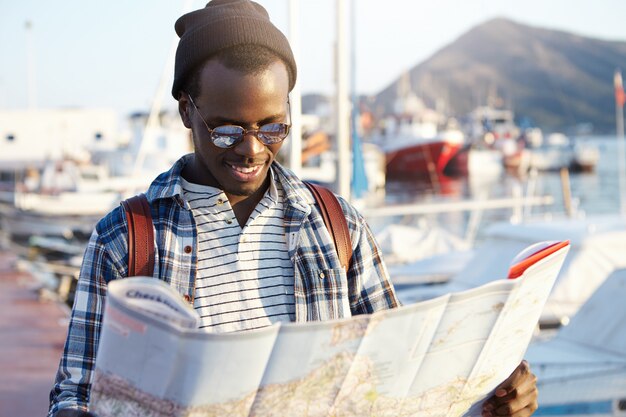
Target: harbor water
<point x="595" y="192"/>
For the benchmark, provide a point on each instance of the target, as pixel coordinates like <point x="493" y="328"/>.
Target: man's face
<point x="229" y="97"/>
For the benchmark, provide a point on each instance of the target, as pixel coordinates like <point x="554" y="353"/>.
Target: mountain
<point x="555" y="79"/>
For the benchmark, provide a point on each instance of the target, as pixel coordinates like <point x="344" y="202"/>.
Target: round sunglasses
<point x="227" y="136"/>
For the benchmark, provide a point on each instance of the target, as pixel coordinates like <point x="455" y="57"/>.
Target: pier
<point x="32" y="334"/>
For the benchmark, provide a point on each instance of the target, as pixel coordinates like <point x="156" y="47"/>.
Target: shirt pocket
<point x="330" y="287"/>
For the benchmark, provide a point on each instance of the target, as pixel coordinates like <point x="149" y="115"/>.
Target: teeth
<point x="244" y="170"/>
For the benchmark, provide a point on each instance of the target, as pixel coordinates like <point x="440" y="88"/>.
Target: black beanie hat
<point x="223" y="24"/>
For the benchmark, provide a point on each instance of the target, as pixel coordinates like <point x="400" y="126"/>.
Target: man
<point x="238" y="235"/>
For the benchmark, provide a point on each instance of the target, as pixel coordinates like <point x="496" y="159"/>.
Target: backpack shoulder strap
<point x="335" y="221"/>
<point x="140" y="236"/>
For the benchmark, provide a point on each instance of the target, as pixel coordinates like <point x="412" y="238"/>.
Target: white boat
<point x="67" y="203"/>
<point x="598" y="245"/>
<point x="421" y="254"/>
<point x="498" y="124"/>
<point x="66" y="195"/>
<point x="582" y="370"/>
<point x="559" y="152"/>
<point x="19" y="224"/>
<point x="476" y="161"/>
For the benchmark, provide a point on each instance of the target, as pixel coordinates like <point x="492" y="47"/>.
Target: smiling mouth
<point x="245" y="173"/>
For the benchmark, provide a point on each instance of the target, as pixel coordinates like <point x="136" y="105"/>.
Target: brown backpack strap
<point x="335" y="222"/>
<point x="140" y="236"/>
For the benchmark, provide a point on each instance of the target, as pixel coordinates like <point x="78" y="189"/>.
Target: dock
<point x="32" y="334"/>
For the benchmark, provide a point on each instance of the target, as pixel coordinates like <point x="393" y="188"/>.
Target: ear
<point x="184" y="109"/>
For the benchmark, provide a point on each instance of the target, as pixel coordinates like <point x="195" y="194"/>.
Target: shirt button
<point x="187" y="249"/>
<point x="322" y="275"/>
<point x="187" y="298"/>
<point x="220" y="201"/>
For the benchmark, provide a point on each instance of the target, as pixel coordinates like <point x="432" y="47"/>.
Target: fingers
<point x="516" y="404"/>
<point x="516" y="378"/>
<point x="72" y="412"/>
<point x="524" y="412"/>
<point x="516" y="396"/>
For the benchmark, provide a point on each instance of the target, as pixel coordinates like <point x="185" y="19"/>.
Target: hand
<point x="516" y="396"/>
<point x="72" y="412"/>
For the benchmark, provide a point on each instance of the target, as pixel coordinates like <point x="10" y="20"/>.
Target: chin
<point x="240" y="192"/>
<point x="245" y="191"/>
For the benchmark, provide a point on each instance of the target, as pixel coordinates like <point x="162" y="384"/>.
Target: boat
<point x="422" y="247"/>
<point x="418" y="142"/>
<point x="65" y="195"/>
<point x="66" y="214"/>
<point x="582" y="369"/>
<point x="492" y="128"/>
<point x="597" y="247"/>
<point x="558" y="152"/>
<point x="424" y="157"/>
<point x="475" y="159"/>
<point x="499" y="123"/>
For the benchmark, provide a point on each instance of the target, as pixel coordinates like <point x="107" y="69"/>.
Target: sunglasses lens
<point x="226" y="136"/>
<point x="273" y="133"/>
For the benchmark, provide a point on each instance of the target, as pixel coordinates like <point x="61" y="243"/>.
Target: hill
<point x="555" y="79"/>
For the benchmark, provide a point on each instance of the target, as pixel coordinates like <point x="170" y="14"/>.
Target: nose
<point x="250" y="146"/>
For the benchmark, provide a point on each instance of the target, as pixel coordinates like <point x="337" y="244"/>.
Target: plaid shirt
<point x="323" y="290"/>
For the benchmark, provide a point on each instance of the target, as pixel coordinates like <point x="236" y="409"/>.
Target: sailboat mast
<point x="30" y="66"/>
<point x="619" y="123"/>
<point x="295" y="155"/>
<point x="154" y="119"/>
<point x="342" y="101"/>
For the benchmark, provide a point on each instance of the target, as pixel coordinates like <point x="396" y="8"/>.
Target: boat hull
<point x="421" y="160"/>
<point x="475" y="161"/>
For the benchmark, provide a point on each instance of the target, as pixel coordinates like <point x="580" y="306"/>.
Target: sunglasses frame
<point x="256" y="132"/>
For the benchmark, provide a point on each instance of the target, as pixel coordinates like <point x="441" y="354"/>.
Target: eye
<point x="273" y="132"/>
<point x="226" y="136"/>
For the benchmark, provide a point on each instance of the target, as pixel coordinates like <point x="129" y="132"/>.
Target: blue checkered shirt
<point x="365" y="287"/>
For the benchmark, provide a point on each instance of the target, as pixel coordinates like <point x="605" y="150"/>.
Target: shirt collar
<point x="169" y="185"/>
<point x="297" y="194"/>
<point x="273" y="190"/>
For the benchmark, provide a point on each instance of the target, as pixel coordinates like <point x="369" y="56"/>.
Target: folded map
<point x="441" y="357"/>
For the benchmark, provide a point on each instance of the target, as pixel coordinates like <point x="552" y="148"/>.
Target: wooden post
<point x="567" y="192"/>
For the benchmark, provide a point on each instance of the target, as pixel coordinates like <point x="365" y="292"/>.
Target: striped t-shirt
<point x="244" y="276"/>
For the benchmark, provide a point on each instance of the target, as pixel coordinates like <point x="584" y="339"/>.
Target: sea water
<point x="595" y="192"/>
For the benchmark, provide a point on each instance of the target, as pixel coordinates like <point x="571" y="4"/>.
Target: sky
<point x="113" y="54"/>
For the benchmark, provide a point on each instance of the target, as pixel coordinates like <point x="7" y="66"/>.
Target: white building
<point x="33" y="136"/>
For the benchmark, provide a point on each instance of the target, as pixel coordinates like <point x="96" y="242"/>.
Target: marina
<point x="38" y="273"/>
<point x="460" y="163"/>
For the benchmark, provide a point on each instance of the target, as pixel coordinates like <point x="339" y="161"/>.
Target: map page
<point x="440" y="357"/>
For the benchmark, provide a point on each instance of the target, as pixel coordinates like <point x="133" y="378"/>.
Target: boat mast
<point x="342" y="102"/>
<point x="30" y="66"/>
<point x="295" y="155"/>
<point x="154" y="119"/>
<point x="619" y="119"/>
<point x="359" y="183"/>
